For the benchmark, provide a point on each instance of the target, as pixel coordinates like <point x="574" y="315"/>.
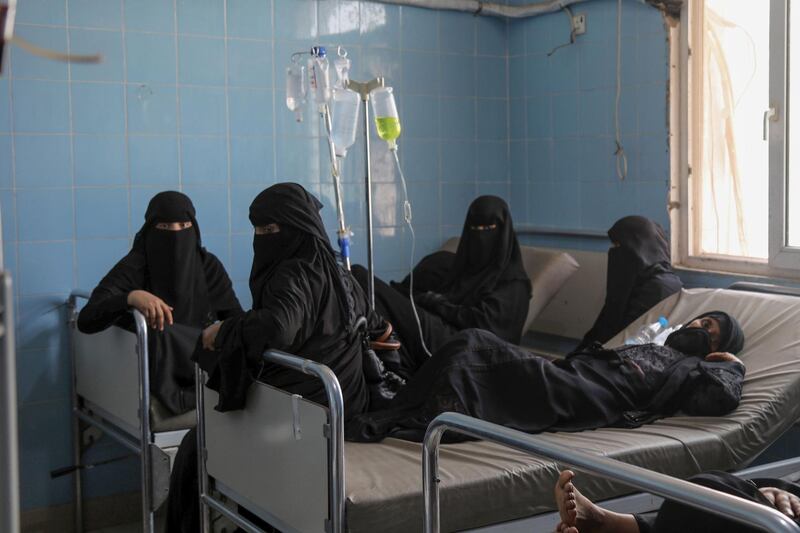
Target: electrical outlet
<point x="579" y="23"/>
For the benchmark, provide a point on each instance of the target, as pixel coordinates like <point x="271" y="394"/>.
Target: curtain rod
<point x="491" y="9"/>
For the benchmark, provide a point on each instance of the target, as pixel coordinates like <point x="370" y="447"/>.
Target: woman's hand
<point x="718" y="357"/>
<point x="155" y="310"/>
<point x="429" y="300"/>
<point x="784" y="501"/>
<point x="210" y="335"/>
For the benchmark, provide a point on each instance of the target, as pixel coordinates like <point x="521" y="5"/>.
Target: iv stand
<point x="364" y="89"/>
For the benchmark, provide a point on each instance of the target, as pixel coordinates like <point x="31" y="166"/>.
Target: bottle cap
<point x="663" y="321"/>
<point x="318" y="51"/>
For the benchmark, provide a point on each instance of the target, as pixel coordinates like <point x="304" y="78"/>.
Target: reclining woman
<point x="171" y="279"/>
<point x="639" y="276"/>
<point x="486" y="286"/>
<point x="579" y="515"/>
<point x="477" y="374"/>
<point x="303" y="303"/>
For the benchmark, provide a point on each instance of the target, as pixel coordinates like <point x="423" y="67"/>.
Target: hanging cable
<point x="407" y="218"/>
<point x="568" y="11"/>
<point x="619" y="152"/>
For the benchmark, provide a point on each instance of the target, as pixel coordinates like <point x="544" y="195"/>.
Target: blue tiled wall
<point x="561" y="105"/>
<point x="190" y="96"/>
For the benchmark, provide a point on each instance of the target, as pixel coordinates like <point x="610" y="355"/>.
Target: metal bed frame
<point x="713" y="501"/>
<point x="333" y="431"/>
<point x="646" y="480"/>
<point x="9" y="453"/>
<point x="142" y="441"/>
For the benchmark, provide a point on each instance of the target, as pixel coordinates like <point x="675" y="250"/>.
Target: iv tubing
<point x="407" y="217"/>
<point x="343" y="233"/>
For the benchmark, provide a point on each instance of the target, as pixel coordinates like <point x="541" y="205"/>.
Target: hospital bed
<point x="275" y="456"/>
<point x="9" y="463"/>
<point x="111" y="392"/>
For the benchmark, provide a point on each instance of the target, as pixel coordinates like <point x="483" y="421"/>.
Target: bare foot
<point x="578" y="513"/>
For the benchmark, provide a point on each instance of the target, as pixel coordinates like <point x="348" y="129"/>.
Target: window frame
<point x="686" y="96"/>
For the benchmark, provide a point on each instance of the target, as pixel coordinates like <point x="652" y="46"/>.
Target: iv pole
<point x="364" y="89"/>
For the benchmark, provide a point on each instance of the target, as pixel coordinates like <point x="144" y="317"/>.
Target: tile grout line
<point x="226" y="67"/>
<point x="126" y="138"/>
<point x="72" y="153"/>
<point x="178" y="129"/>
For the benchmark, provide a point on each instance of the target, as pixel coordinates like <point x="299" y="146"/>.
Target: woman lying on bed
<point x="639" y="276"/>
<point x="483" y="285"/>
<point x="579" y="515"/>
<point x="477" y="374"/>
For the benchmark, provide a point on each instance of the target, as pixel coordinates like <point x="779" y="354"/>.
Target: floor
<point x="136" y="527"/>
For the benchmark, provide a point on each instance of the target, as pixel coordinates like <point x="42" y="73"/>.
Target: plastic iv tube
<point x="407" y="217"/>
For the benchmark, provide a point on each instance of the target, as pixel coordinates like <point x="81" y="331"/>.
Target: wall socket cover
<point x="579" y="23"/>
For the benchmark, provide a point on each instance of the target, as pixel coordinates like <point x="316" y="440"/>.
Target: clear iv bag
<point x="319" y="76"/>
<point x="296" y="90"/>
<point x="345" y="120"/>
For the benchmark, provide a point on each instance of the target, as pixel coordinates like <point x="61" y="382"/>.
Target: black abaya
<point x="479" y="375"/>
<point x="673" y="516"/>
<point x="304" y="303"/>
<point x="484" y="285"/>
<point x="172" y="265"/>
<point x="639" y="276"/>
<point x="175" y="267"/>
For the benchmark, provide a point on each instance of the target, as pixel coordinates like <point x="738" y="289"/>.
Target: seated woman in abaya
<point x="303" y="303"/>
<point x="171" y="279"/>
<point x="579" y="515"/>
<point x="477" y="374"/>
<point x="639" y="276"/>
<point x="486" y="286"/>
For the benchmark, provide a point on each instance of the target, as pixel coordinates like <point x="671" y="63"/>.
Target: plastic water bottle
<point x="319" y="76"/>
<point x="661" y="338"/>
<point x="296" y="90"/>
<point x="648" y="332"/>
<point x="387" y="120"/>
<point x="345" y="120"/>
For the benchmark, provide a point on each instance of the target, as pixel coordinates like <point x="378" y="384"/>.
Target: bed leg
<point x="77" y="451"/>
<point x="205" y="515"/>
<point x="77" y="438"/>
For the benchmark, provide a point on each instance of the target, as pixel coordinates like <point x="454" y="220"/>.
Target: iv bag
<point x="342" y="66"/>
<point x="345" y="120"/>
<point x="296" y="90"/>
<point x="319" y="76"/>
<point x="387" y="119"/>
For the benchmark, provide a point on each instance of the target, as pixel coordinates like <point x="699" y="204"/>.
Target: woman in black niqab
<point x="303" y="303"/>
<point x="639" y="276"/>
<point x="485" y="286"/>
<point x="172" y="266"/>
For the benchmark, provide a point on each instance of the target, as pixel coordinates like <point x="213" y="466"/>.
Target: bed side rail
<point x="145" y="436"/>
<point x="9" y="456"/>
<point x="335" y="434"/>
<point x="719" y="503"/>
<point x="766" y="288"/>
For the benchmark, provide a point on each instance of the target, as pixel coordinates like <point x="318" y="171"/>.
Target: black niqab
<point x="485" y="257"/>
<point x="302" y="232"/>
<point x="639" y="276"/>
<point x="174" y="259"/>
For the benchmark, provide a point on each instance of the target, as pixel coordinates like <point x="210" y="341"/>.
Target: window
<point x="737" y="179"/>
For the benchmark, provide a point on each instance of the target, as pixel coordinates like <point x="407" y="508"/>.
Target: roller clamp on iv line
<point x="338" y="106"/>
